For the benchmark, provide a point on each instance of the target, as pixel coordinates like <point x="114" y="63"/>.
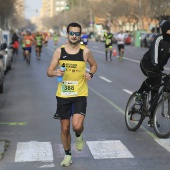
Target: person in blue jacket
<point x="84" y="39"/>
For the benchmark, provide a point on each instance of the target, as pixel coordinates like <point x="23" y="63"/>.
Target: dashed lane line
<point x="127" y="91"/>
<point x="105" y="79"/>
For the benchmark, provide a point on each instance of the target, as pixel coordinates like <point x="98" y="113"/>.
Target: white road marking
<point x="75" y="153"/>
<point x="97" y="51"/>
<point x="127" y="91"/>
<point x="88" y="70"/>
<point x="105" y="79"/>
<point x="34" y="151"/>
<point x="164" y="143"/>
<point x="47" y="166"/>
<point x="108" y="149"/>
<point x="136" y="61"/>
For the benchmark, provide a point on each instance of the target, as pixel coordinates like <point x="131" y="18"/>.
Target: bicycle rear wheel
<point x="133" y="114"/>
<point x="161" y="122"/>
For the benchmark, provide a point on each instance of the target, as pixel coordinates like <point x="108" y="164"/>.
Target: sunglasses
<point x="74" y="33"/>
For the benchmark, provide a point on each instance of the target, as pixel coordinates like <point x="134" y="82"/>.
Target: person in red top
<point x="46" y="38"/>
<point x="15" y="43"/>
<point x="28" y="40"/>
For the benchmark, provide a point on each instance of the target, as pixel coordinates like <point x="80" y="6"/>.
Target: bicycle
<point x="136" y="113"/>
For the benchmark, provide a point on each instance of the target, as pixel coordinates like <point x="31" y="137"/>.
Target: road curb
<point x="3" y="147"/>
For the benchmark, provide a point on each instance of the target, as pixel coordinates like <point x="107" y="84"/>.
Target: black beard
<point x="74" y="43"/>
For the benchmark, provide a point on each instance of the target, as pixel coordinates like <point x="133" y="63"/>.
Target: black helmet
<point x="28" y="30"/>
<point x="165" y="27"/>
<point x="162" y="22"/>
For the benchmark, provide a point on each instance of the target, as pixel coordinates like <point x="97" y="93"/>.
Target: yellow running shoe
<point x="79" y="143"/>
<point x="67" y="160"/>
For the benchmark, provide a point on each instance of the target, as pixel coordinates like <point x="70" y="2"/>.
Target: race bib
<point x="69" y="88"/>
<point x="108" y="41"/>
<point x="28" y="42"/>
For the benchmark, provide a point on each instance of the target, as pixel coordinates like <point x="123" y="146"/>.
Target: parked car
<point x="128" y="38"/>
<point x="1" y="73"/>
<point x="1" y="62"/>
<point x="151" y="38"/>
<point x="100" y="36"/>
<point x="114" y="38"/>
<point x="8" y="51"/>
<point x="143" y="39"/>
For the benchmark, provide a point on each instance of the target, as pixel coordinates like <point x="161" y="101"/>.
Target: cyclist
<point x="152" y="64"/>
<point x="28" y="43"/>
<point x="55" y="39"/>
<point x="108" y="43"/>
<point x="46" y="38"/>
<point x="15" y="43"/>
<point x="38" y="42"/>
<point x="121" y="44"/>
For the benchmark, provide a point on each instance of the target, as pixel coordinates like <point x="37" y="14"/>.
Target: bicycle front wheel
<point x="161" y="122"/>
<point x="133" y="114"/>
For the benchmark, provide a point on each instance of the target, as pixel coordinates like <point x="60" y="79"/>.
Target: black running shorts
<point x="66" y="107"/>
<point x="121" y="46"/>
<point x="39" y="46"/>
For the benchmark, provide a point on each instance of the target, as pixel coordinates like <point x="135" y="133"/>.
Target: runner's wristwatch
<point x="91" y="74"/>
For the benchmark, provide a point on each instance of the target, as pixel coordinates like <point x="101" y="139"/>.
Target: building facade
<point x="20" y="8"/>
<point x="50" y="8"/>
<point x="45" y="10"/>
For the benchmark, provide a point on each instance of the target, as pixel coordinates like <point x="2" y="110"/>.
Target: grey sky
<point x="31" y="6"/>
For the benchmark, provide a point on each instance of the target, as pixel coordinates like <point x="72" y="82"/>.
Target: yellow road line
<point x="13" y="123"/>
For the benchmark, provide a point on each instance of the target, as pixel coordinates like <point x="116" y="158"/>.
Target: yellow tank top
<point x="74" y="82"/>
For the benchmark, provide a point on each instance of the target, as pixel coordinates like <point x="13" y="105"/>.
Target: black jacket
<point x="158" y="53"/>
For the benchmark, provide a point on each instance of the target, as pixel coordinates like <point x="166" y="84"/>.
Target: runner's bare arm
<point x="51" y="71"/>
<point x="93" y="65"/>
<point x="33" y="41"/>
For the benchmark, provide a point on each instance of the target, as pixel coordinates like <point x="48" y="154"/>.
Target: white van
<point x="8" y="51"/>
<point x="100" y="35"/>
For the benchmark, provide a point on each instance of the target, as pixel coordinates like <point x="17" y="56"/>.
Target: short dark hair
<point x="73" y="24"/>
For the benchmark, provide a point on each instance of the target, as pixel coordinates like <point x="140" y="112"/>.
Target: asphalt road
<point x="28" y="104"/>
